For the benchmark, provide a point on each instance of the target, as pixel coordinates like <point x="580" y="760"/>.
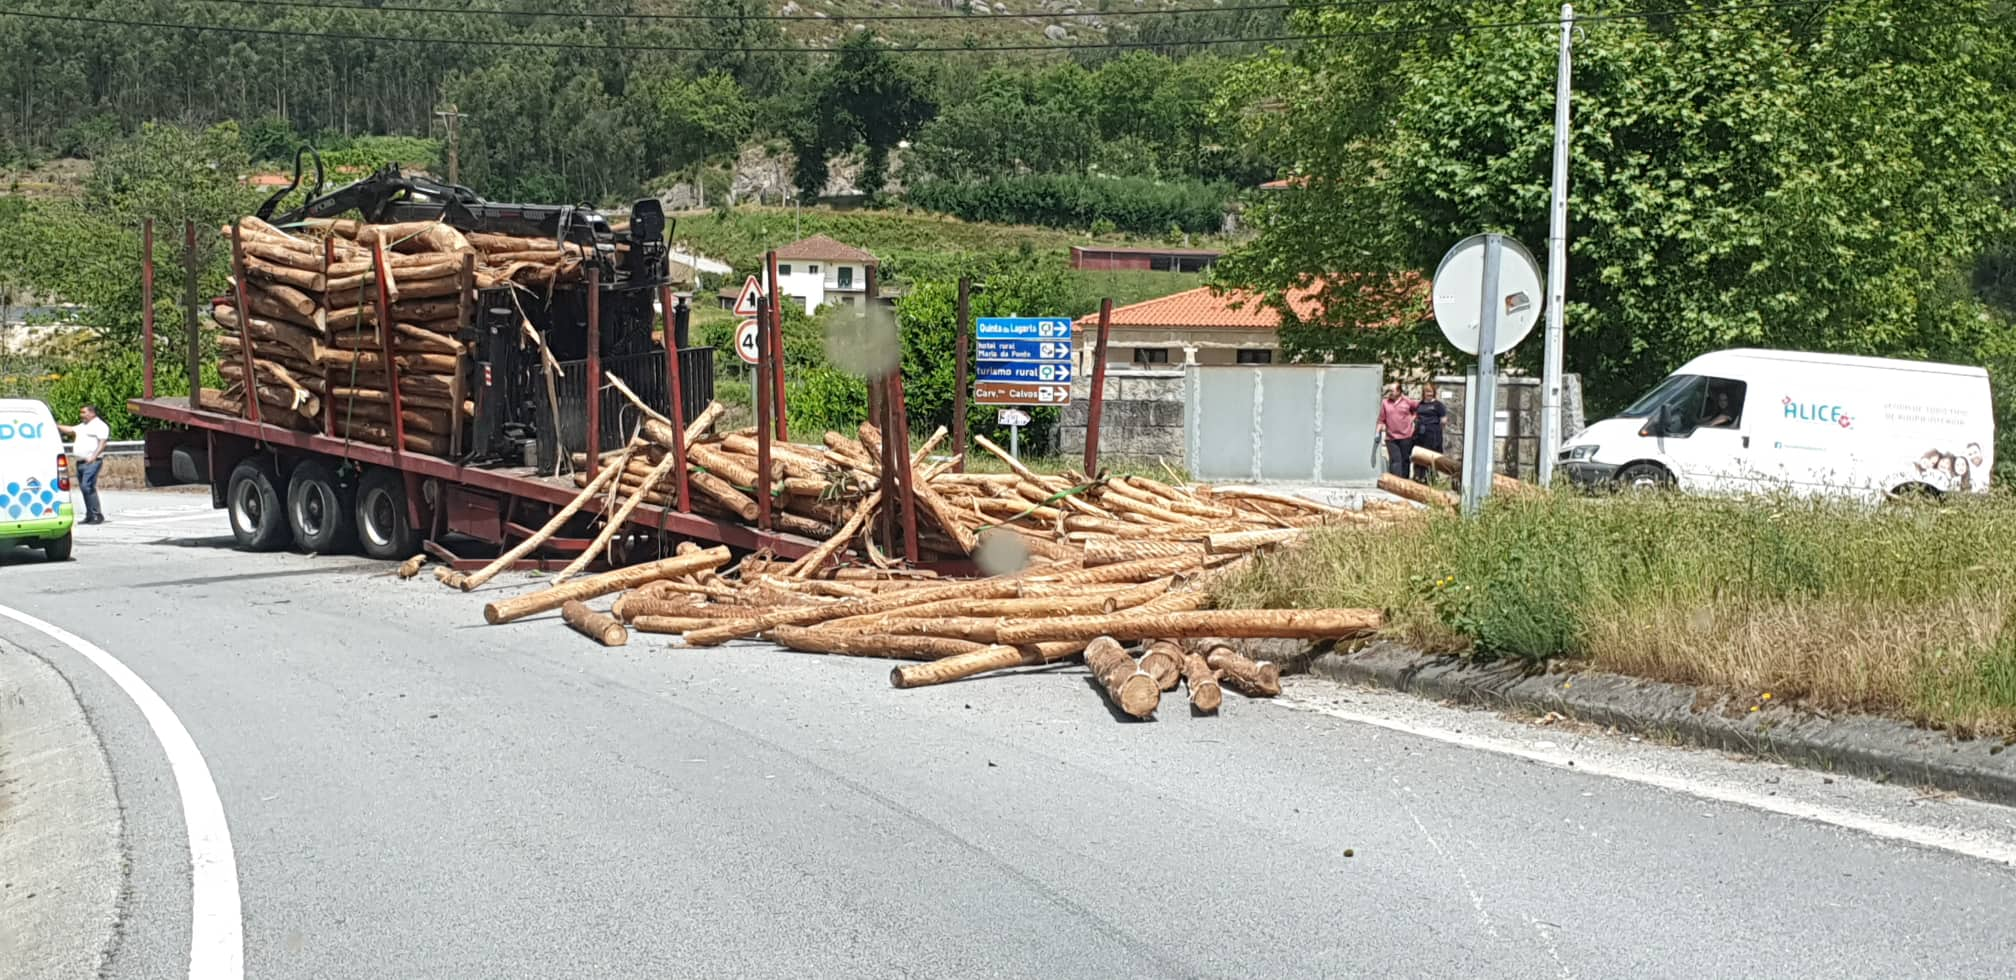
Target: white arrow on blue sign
<point x="1022" y="350"/>
<point x="1023" y="328"/>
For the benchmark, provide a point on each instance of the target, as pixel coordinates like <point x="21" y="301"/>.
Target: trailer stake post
<point x="1098" y="390"/>
<point x="244" y="326"/>
<point x="594" y="380"/>
<point x="763" y="409"/>
<point x="675" y="384"/>
<point x="192" y="349"/>
<point x="379" y="270"/>
<point x="147" y="309"/>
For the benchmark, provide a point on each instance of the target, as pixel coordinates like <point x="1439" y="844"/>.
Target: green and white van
<point x="35" y="504"/>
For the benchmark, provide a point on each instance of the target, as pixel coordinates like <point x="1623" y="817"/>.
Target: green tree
<point x="1818" y="179"/>
<point x="865" y="98"/>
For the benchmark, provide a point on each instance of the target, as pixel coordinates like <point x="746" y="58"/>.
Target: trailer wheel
<point x="320" y="509"/>
<point x="252" y="498"/>
<point x="382" y="527"/>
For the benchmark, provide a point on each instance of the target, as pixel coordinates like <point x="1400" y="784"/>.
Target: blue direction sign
<point x="1023" y="328"/>
<point x="1022" y="360"/>
<point x="1023" y="371"/>
<point x="1022" y="350"/>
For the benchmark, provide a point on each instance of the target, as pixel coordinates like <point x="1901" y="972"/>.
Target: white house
<point x="818" y="270"/>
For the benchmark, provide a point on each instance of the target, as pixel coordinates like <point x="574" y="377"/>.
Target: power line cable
<point x="805" y="18"/>
<point x="548" y="45"/>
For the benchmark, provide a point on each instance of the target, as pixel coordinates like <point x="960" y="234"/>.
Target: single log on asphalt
<point x="880" y="645"/>
<point x="506" y="610"/>
<point x="449" y="577"/>
<point x="635" y="605"/>
<point x="1419" y="493"/>
<point x="600" y="627"/>
<point x="1253" y="678"/>
<point x="981" y="661"/>
<point x="411" y="566"/>
<point x="1132" y="690"/>
<point x="1164" y="659"/>
<point x="1202" y="684"/>
<point x="1240" y="542"/>
<point x="1298" y="624"/>
<point x="671" y="624"/>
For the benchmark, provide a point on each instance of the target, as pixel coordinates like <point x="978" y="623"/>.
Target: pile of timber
<point x="1116" y="572"/>
<point x="326" y="304"/>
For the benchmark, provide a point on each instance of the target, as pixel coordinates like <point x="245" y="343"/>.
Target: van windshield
<point x="1669" y="392"/>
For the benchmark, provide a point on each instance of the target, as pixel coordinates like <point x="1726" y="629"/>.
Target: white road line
<point x="217" y="927"/>
<point x="1957" y="843"/>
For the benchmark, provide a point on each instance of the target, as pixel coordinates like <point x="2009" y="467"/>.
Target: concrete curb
<point x="60" y="827"/>
<point x="1871" y="747"/>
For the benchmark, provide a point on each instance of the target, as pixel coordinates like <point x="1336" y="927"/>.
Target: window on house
<point x="1256" y="357"/>
<point x="784" y="270"/>
<point x="846" y="277"/>
<point x="1151" y="355"/>
<point x="812" y="269"/>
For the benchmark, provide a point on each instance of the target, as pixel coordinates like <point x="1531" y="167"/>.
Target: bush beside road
<point x="1904" y="611"/>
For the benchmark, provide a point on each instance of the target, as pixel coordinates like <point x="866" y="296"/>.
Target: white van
<point x="35" y="505"/>
<point x="1750" y="421"/>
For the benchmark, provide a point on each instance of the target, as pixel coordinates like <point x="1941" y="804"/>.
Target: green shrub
<point x="1136" y="204"/>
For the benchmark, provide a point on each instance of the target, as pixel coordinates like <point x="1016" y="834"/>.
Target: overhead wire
<point x="550" y="45"/>
<point x="807" y="18"/>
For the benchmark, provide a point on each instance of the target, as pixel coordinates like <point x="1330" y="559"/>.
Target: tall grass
<point x="1905" y="610"/>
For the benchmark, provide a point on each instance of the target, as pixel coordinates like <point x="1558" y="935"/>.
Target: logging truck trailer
<point x="532" y="403"/>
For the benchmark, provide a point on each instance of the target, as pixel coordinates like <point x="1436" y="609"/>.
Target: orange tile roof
<point x="823" y="248"/>
<point x="1203" y="308"/>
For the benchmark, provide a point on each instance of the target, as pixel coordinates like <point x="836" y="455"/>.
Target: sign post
<point x="1487" y="298"/>
<point x="1014" y="419"/>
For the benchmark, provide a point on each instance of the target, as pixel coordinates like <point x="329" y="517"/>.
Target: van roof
<point x="35" y="405"/>
<point x="1709" y="361"/>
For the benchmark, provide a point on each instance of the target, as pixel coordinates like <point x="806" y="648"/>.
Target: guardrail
<point x="129" y="448"/>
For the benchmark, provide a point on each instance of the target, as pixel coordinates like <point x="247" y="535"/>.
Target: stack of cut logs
<point x="313" y="327"/>
<point x="1086" y="568"/>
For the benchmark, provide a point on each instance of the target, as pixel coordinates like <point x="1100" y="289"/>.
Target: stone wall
<point x="1141" y="423"/>
<point x="1518" y="420"/>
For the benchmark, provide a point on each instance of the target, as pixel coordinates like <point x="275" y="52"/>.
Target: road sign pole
<point x="962" y="331"/>
<point x="1015" y="441"/>
<point x="776" y="351"/>
<point x="1098" y="389"/>
<point x="1555" y="337"/>
<point x="1478" y="442"/>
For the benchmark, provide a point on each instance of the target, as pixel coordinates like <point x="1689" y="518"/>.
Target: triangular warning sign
<point x="745" y="304"/>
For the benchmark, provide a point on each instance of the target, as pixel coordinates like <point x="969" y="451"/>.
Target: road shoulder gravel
<point x="61" y="866"/>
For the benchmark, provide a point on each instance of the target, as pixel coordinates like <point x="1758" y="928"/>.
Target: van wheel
<point x="57" y="549"/>
<point x="320" y="509"/>
<point x="1642" y="477"/>
<point x="252" y="498"/>
<point x="1915" y="493"/>
<point x="382" y="527"/>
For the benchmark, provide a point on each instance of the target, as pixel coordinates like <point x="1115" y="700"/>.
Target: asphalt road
<point x="413" y="794"/>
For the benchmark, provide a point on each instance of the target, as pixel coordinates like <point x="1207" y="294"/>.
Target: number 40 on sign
<point x="745" y="342"/>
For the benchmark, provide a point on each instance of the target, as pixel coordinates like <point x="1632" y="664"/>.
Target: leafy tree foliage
<point x="1792" y="177"/>
<point x="867" y="98"/>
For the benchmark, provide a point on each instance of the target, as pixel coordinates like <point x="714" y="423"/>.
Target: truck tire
<point x="320" y="509"/>
<point x="57" y="549"/>
<point x="258" y="515"/>
<point x="382" y="526"/>
<point x="1644" y="477"/>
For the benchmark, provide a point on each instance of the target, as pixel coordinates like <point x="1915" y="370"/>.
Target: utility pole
<point x="452" y="119"/>
<point x="1557" y="263"/>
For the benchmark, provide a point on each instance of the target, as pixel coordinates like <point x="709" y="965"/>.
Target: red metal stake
<point x="776" y="345"/>
<point x="673" y="383"/>
<point x="897" y="440"/>
<point x="1098" y="389"/>
<point x="192" y="346"/>
<point x="244" y="327"/>
<point x="594" y="371"/>
<point x="147" y="309"/>
<point x="763" y="406"/>
<point x="962" y="330"/>
<point x="379" y="273"/>
<point x="329" y="404"/>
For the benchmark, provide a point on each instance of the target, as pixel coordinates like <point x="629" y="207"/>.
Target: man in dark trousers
<point x="1429" y="414"/>
<point x="88" y="451"/>
<point x="1396" y="423"/>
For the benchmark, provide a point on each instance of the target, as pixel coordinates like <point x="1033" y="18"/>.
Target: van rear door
<point x="30" y="483"/>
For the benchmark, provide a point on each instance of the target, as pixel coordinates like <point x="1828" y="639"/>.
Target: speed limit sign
<point x="745" y="342"/>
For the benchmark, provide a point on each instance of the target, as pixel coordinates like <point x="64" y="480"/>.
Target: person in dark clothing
<point x="1428" y="415"/>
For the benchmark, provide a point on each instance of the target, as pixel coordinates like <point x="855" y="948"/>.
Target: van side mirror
<point x="1660" y="422"/>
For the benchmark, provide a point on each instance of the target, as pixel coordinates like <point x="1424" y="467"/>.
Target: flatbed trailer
<point x="420" y="501"/>
<point x="323" y="492"/>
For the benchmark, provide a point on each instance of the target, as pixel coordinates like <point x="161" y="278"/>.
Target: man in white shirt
<point x="88" y="450"/>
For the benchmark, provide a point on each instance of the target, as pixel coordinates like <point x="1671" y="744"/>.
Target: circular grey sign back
<point x="1459" y="294"/>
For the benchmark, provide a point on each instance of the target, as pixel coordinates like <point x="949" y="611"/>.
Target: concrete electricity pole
<point x="1557" y="264"/>
<point x="451" y="118"/>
